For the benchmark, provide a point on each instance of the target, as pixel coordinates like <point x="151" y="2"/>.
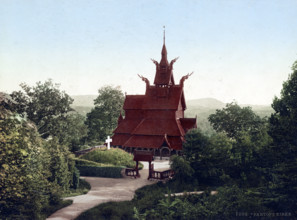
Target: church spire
<point x="164" y="76"/>
<point x="164" y="60"/>
<point x="164" y="35"/>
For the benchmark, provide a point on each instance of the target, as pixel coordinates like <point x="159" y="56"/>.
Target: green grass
<point x="53" y="208"/>
<point x="109" y="210"/>
<point x="114" y="156"/>
<point x="83" y="188"/>
<point x="145" y="197"/>
<point x="84" y="162"/>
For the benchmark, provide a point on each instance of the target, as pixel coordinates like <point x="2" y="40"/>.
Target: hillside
<point x="84" y="100"/>
<point x="201" y="108"/>
<point x="83" y="103"/>
<point x="205" y="103"/>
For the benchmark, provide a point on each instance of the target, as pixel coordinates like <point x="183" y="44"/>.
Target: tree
<point x="181" y="167"/>
<point x="233" y="120"/>
<point x="248" y="156"/>
<point x="24" y="187"/>
<point x="102" y="119"/>
<point x="72" y="131"/>
<point x="33" y="172"/>
<point x="208" y="156"/>
<point x="61" y="165"/>
<point x="45" y="105"/>
<point x="283" y="129"/>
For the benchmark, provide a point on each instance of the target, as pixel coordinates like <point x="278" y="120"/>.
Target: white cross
<point x="108" y="141"/>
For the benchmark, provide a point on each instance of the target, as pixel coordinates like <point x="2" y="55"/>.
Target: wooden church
<point x="155" y="121"/>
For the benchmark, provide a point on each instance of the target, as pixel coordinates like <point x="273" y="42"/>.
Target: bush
<point x="114" y="156"/>
<point x="47" y="211"/>
<point x="83" y="188"/>
<point x="83" y="162"/>
<point x="111" y="172"/>
<point x="182" y="168"/>
<point x="110" y="210"/>
<point x="75" y="181"/>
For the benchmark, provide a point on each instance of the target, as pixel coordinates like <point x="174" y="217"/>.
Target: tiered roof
<point x="155" y="119"/>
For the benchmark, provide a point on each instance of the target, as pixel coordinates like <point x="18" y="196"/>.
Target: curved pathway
<point x="104" y="190"/>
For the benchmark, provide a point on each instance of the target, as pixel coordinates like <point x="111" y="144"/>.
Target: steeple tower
<point x="164" y="60"/>
<point x="164" y="75"/>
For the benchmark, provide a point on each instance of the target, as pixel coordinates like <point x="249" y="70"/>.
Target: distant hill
<point x="83" y="103"/>
<point x="205" y="103"/>
<point x="201" y="108"/>
<point x="84" y="100"/>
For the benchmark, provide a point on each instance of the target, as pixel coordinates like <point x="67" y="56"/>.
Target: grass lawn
<point x="83" y="188"/>
<point x="114" y="156"/>
<point x="148" y="196"/>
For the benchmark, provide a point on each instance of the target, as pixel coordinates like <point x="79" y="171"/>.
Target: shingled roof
<point x="155" y="119"/>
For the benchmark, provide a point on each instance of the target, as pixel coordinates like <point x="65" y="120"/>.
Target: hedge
<point x="111" y="172"/>
<point x="83" y="162"/>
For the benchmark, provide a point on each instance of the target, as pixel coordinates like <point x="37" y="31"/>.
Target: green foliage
<point x="49" y="109"/>
<point x="75" y="181"/>
<point x="207" y="156"/>
<point x="111" y="172"/>
<point x="82" y="188"/>
<point x="24" y="188"/>
<point x="150" y="203"/>
<point x="114" y="156"/>
<point x="72" y="131"/>
<point x="61" y="164"/>
<point x="233" y="120"/>
<point x="52" y="209"/>
<point x="83" y="162"/>
<point x="102" y="120"/>
<point x="181" y="167"/>
<point x="44" y="104"/>
<point x="109" y="210"/>
<point x="283" y="129"/>
<point x="245" y="158"/>
<point x="32" y="176"/>
<point x="225" y="205"/>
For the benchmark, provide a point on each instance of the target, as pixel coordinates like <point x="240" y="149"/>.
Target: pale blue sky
<point x="238" y="49"/>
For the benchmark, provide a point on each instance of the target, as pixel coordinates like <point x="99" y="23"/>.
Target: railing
<point x="161" y="175"/>
<point x="131" y="172"/>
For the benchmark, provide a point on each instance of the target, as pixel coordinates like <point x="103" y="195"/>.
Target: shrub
<point x="111" y="172"/>
<point x="75" y="181"/>
<point x="115" y="156"/>
<point x="181" y="167"/>
<point x="83" y="162"/>
<point x="110" y="210"/>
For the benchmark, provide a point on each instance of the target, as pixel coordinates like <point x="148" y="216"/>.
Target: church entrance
<point x="147" y="156"/>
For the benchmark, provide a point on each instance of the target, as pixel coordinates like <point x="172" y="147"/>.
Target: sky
<point x="239" y="50"/>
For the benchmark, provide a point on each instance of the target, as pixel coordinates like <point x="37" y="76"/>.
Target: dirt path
<point x="103" y="190"/>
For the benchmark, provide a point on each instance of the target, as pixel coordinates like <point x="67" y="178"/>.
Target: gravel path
<point x="105" y="190"/>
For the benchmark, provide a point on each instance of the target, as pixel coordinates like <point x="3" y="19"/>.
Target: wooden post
<point x="150" y="170"/>
<point x="137" y="171"/>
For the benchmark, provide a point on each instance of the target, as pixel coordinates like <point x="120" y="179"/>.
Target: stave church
<point x="155" y="121"/>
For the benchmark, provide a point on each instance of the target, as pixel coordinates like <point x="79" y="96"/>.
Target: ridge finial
<point x="164" y="34"/>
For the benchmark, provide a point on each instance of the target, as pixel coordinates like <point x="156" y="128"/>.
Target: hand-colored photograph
<point x="151" y="109"/>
